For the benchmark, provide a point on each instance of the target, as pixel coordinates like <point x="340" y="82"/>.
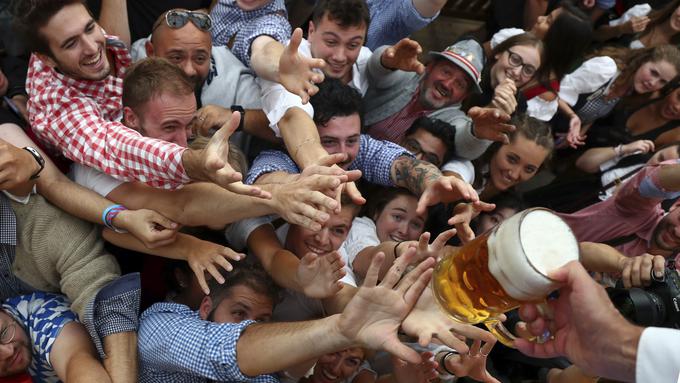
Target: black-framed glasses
<point x="178" y="18"/>
<point x="516" y="60"/>
<point x="7" y="334"/>
<point x="413" y="146"/>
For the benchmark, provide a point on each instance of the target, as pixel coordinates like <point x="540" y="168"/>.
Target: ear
<point x="47" y="60"/>
<point x="148" y="46"/>
<point x="497" y="56"/>
<point x="311" y="28"/>
<point x="131" y="120"/>
<point x="205" y="308"/>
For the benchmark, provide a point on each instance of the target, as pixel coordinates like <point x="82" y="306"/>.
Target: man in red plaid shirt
<point x="75" y="85"/>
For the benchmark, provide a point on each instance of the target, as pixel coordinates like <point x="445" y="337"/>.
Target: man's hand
<point x="422" y="372"/>
<point x="463" y="214"/>
<point x="426" y="250"/>
<point x="319" y="276"/>
<point x="490" y="124"/>
<point x="296" y="72"/>
<point x="206" y="256"/>
<point x="374" y="314"/>
<point x="446" y="189"/>
<point x="16" y="166"/>
<point x="150" y="227"/>
<point x="328" y="165"/>
<point x="637" y="271"/>
<point x="210" y="117"/>
<point x="428" y="320"/>
<point x="473" y="363"/>
<point x="636" y="24"/>
<point x="403" y="56"/>
<point x="504" y="96"/>
<point x="583" y="323"/>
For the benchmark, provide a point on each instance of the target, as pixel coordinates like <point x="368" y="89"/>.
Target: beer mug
<point x="503" y="268"/>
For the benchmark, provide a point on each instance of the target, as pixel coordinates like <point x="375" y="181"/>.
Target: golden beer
<point x="504" y="267"/>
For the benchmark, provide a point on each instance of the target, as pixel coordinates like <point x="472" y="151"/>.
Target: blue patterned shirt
<point x="42" y="315"/>
<point x="392" y="20"/>
<point x="176" y="345"/>
<point x="374" y="159"/>
<point x="230" y="21"/>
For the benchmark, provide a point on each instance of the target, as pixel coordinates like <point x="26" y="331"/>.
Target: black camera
<point x="656" y="305"/>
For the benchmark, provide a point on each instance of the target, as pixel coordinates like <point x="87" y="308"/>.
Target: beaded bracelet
<point x="109" y="214"/>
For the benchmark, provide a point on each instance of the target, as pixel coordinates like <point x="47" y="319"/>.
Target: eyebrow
<point x="401" y="209"/>
<point x="72" y="38"/>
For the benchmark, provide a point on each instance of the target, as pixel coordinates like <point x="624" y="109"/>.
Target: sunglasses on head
<point x="176" y="19"/>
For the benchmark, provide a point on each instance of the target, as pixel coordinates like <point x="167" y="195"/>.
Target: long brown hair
<point x="660" y="16"/>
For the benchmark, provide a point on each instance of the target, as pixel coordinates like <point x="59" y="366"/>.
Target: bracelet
<point x="109" y="214"/>
<point x="618" y="151"/>
<point x="301" y="144"/>
<point x="396" y="255"/>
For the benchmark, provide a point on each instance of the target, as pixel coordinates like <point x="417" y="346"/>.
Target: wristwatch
<point x="239" y="108"/>
<point x="38" y="158"/>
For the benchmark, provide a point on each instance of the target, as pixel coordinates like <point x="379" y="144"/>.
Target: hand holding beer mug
<point x="504" y="267"/>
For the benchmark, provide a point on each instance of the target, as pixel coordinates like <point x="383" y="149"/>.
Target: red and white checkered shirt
<point x="80" y="118"/>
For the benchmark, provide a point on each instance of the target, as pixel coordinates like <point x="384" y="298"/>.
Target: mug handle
<point x="506" y="337"/>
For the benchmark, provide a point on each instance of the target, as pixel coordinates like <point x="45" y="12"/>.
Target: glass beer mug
<point x="504" y="267"/>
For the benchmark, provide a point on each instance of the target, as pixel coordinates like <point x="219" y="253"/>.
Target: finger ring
<point x="483" y="354"/>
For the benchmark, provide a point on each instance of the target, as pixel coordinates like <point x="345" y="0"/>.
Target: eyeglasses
<point x="413" y="146"/>
<point x="515" y="60"/>
<point x="176" y="19"/>
<point x="7" y="334"/>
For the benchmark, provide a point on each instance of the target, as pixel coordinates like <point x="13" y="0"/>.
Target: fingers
<point x="398" y="268"/>
<point x="353" y="192"/>
<point x="160" y="220"/>
<point x="423" y="272"/>
<point x="249" y="190"/>
<point x="332" y="159"/>
<point x="401" y="351"/>
<point x="423" y="241"/>
<point x="200" y="277"/>
<point x="321" y="200"/>
<point x="373" y="270"/>
<point x="295" y="40"/>
<point x="443" y="238"/>
<point x="659" y="266"/>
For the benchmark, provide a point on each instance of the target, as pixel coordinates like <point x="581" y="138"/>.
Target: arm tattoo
<point x="414" y="175"/>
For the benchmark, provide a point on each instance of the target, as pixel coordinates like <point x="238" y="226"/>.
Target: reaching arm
<point x="428" y="8"/>
<point x="74" y="357"/>
<point x="593" y="158"/>
<point x="113" y="17"/>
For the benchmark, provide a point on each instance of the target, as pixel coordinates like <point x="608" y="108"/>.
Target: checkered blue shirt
<point x="42" y="316"/>
<point x="374" y="159"/>
<point x="231" y="22"/>
<point x="176" y="345"/>
<point x="392" y="20"/>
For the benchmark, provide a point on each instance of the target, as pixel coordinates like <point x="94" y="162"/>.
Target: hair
<point x="438" y="128"/>
<point x="346" y="13"/>
<point x="32" y="15"/>
<point x="247" y="275"/>
<point x="660" y="16"/>
<point x="153" y="77"/>
<point x="565" y="42"/>
<point x="236" y="158"/>
<point x="346" y="201"/>
<point x="336" y="99"/>
<point x="530" y="128"/>
<point x="381" y="196"/>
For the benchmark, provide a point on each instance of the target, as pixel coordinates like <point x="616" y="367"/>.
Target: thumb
<point x="308" y="259"/>
<point x="161" y="220"/>
<point x="295" y="40"/>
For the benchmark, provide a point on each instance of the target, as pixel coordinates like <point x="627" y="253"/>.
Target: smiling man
<point x="633" y="219"/>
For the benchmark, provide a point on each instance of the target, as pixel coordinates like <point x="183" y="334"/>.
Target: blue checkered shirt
<point x="231" y="22"/>
<point x="392" y="20"/>
<point x="42" y="316"/>
<point x="374" y="159"/>
<point x="176" y="345"/>
<point x="10" y="285"/>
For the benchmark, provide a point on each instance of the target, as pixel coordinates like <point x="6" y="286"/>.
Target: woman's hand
<point x="639" y="146"/>
<point x="206" y="256"/>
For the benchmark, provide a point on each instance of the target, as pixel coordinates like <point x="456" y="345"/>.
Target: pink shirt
<point x="634" y="209"/>
<point x="393" y="127"/>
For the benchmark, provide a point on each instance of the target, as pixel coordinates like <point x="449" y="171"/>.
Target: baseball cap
<point x="469" y="56"/>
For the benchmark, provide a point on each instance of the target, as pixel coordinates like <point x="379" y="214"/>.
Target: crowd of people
<point x="258" y="190"/>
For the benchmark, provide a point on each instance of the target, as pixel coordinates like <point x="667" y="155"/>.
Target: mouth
<point x="316" y="250"/>
<point x="441" y="91"/>
<point x="95" y="61"/>
<point x="328" y="375"/>
<point x="397" y="238"/>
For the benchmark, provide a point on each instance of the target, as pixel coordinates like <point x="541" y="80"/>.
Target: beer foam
<point x="525" y="248"/>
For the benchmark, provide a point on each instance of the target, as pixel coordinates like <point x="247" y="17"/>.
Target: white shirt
<point x="658" y="359"/>
<point x="91" y="178"/>
<point x="276" y="100"/>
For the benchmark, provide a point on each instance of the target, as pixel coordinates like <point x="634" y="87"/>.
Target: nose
<point x="513" y="173"/>
<point x="419" y="156"/>
<point x="339" y="55"/>
<point x="188" y="69"/>
<point x="90" y="44"/>
<point x="540" y="19"/>
<point x="6" y="351"/>
<point x="337" y="367"/>
<point x="180" y="137"/>
<point x="322" y="237"/>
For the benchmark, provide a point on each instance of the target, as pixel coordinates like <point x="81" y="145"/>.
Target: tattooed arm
<point x="425" y="180"/>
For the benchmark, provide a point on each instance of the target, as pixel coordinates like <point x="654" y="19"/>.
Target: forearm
<point x="414" y="175"/>
<point x="85" y="368"/>
<point x="565" y="108"/>
<point x="608" y="32"/>
<point x="598" y="257"/>
<point x="301" y="137"/>
<point x="278" y="262"/>
<point x="593" y="158"/>
<point x="114" y="19"/>
<point x="532" y="10"/>
<point x="336" y="304"/>
<point x="257" y="124"/>
<point x="180" y="249"/>
<point x="121" y="358"/>
<point x="276" y="178"/>
<point x="428" y="8"/>
<point x="270" y="347"/>
<point x="264" y="59"/>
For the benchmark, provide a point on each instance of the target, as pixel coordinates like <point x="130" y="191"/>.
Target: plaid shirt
<point x="176" y="345"/>
<point x="79" y="118"/>
<point x="374" y="159"/>
<point x="231" y="22"/>
<point x="10" y="285"/>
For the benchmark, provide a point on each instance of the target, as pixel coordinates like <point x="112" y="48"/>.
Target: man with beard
<point x="74" y="85"/>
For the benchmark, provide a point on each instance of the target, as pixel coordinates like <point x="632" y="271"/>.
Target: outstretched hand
<point x="374" y="314"/>
<point x="422" y="372"/>
<point x="428" y="320"/>
<point x="403" y="56"/>
<point x="207" y="256"/>
<point x="463" y="214"/>
<point x="150" y="227"/>
<point x="446" y="189"/>
<point x="297" y="73"/>
<point x="319" y="275"/>
<point x="426" y="249"/>
<point x="490" y="124"/>
<point x="473" y="363"/>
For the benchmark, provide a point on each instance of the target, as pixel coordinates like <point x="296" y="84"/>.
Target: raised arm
<point x="113" y="18"/>
<point x="593" y="158"/>
<point x="74" y="357"/>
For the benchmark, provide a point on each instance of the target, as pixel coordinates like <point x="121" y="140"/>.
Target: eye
<point x="530" y="169"/>
<point x="327" y="142"/>
<point x="339" y="231"/>
<point x="239" y="314"/>
<point x="89" y="29"/>
<point x="353" y="46"/>
<point x="331" y="43"/>
<point x="397" y="217"/>
<point x="200" y="59"/>
<point x="175" y="58"/>
<point x="512" y="159"/>
<point x="416" y="225"/>
<point x="352" y="141"/>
